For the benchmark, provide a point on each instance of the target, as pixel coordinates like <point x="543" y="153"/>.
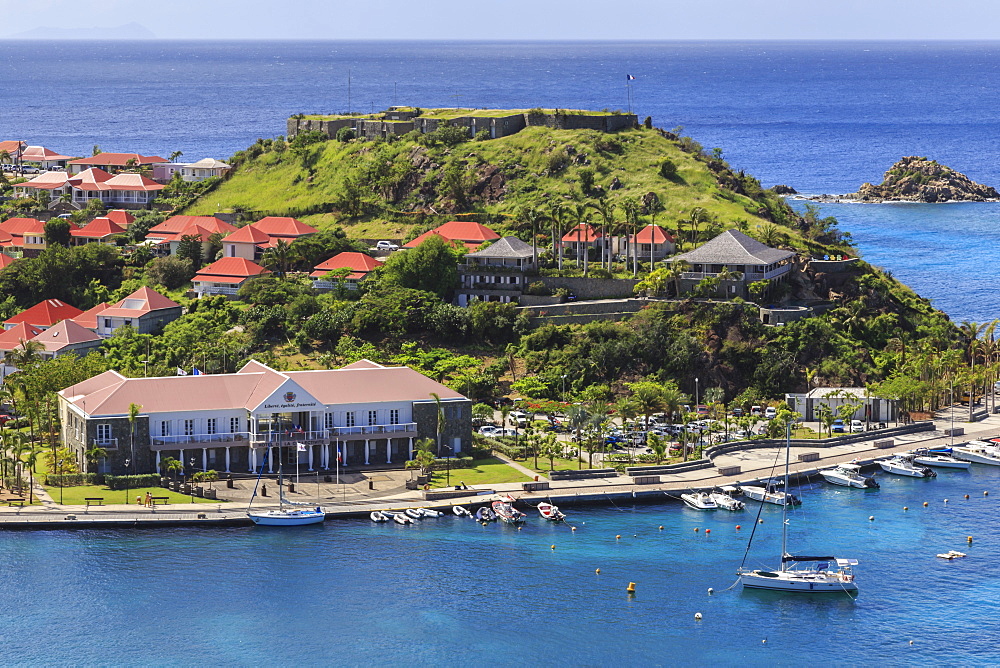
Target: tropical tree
<point x="96" y="454"/>
<point x="550" y="448"/>
<point x="656" y="444"/>
<point x="279" y="257"/>
<point x="175" y="155"/>
<point x="172" y="465"/>
<point x="648" y="398"/>
<point x="133" y="413"/>
<point x="606" y="210"/>
<point x="440" y="423"/>
<point x="578" y="417"/>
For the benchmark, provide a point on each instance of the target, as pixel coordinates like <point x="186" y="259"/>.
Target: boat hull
<point x="699" y="502"/>
<point x="950" y="463"/>
<point x="888" y="467"/>
<point x="276" y="518"/>
<point x="790" y="581"/>
<point x="975" y="457"/>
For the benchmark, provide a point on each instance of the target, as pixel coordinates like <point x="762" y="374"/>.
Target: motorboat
<point x="550" y="512"/>
<point x="699" y="501"/>
<point x="506" y="512"/>
<point x="378" y="517"/>
<point x="414" y="513"/>
<point x="770" y="494"/>
<point x="485" y="514"/>
<point x="807" y="574"/>
<point x="938" y="459"/>
<point x="724" y="500"/>
<point x="849" y="475"/>
<point x="427" y="512"/>
<point x="903" y="465"/>
<point x="461" y="511"/>
<point x="978" y="452"/>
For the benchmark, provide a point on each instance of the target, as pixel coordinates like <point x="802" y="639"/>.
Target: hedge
<point x="116" y="482"/>
<point x="74" y="479"/>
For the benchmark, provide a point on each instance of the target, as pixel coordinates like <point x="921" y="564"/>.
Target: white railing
<point x="185" y="439"/>
<point x="375" y="429"/>
<point x="218" y="290"/>
<point x="328" y="285"/>
<point x="287" y="436"/>
<point x="105" y="443"/>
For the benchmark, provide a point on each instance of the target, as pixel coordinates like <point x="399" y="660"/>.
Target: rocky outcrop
<point x="914" y="179"/>
<point x="782" y="189"/>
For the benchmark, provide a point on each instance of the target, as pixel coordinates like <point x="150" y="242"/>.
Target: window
<point x="372" y="418"/>
<point x="165" y="428"/>
<point x="211" y="456"/>
<point x="234" y="425"/>
<point x="107" y="323"/>
<point x="210" y="426"/>
<point x="349" y="419"/>
<point x="104" y="432"/>
<point x="394" y="416"/>
<point x="189" y="427"/>
<point x="328" y="421"/>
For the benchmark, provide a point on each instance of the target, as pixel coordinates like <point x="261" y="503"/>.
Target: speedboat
<point x="700" y="501"/>
<point x="978" y="452"/>
<point x="848" y="475"/>
<point x="903" y="465"/>
<point x="550" y="512"/>
<point x="770" y="494"/>
<point x="287" y="517"/>
<point x="507" y="512"/>
<point x="485" y="515"/>
<point x="939" y="459"/>
<point x="723" y="499"/>
<point x="378" y="517"/>
<point x="461" y="511"/>
<point x="414" y="513"/>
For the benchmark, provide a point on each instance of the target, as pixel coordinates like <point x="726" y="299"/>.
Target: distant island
<point x="917" y="179"/>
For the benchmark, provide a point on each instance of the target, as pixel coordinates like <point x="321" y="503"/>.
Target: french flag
<point x="629" y="77"/>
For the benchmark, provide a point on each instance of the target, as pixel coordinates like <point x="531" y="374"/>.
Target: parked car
<point x="838" y="427"/>
<point x="755" y="411"/>
<point x="386" y="245"/>
<point x="770" y="413"/>
<point x="489" y="430"/>
<point x="857" y="426"/>
<point x="737" y="412"/>
<point x="4" y="418"/>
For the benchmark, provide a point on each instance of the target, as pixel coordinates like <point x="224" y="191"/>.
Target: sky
<point x="507" y="19"/>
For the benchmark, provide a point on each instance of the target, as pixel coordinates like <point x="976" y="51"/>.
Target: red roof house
<point x="101" y="230"/>
<point x="16" y="335"/>
<point x="470" y="234"/>
<point x="43" y="157"/>
<point x="246" y="243"/>
<point x="120" y="217"/>
<point x="66" y="337"/>
<point x="44" y="314"/>
<point x="288" y="229"/>
<point x="88" y="318"/>
<point x="113" y="161"/>
<point x="653" y="242"/>
<point x="360" y="265"/>
<point x="5" y="260"/>
<point x="145" y="310"/>
<point x="582" y="236"/>
<point x="225" y="276"/>
<point x="22" y="233"/>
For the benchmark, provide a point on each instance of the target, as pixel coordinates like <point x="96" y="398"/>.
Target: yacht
<point x="848" y="475"/>
<point x="903" y="465"/>
<point x="699" y="501"/>
<point x="938" y="459"/>
<point x="770" y="494"/>
<point x="978" y="452"/>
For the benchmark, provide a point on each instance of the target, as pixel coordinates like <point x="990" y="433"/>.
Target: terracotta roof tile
<point x="277" y="226"/>
<point x="653" y="234"/>
<point x="88" y="318"/>
<point x="12" y="338"/>
<point x="587" y="234"/>
<point x="471" y="234"/>
<point x="232" y="267"/>
<point x="359" y="263"/>
<point x="45" y="313"/>
<point x="98" y="228"/>
<point x="248" y="235"/>
<point x="118" y="159"/>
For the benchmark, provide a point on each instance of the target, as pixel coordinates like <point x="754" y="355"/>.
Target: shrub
<point x="668" y="170"/>
<point x="538" y="288"/>
<point x="483" y="135"/>
<point x="306" y="138"/>
<point x="116" y="482"/>
<point x="586" y="179"/>
<point x="345" y="134"/>
<point x="74" y="479"/>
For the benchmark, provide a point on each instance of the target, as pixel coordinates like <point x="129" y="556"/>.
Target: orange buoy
<point x="906" y="508"/>
<point x="618" y="537"/>
<point x="708" y="531"/>
<point x="696" y="529"/>
<point x="925" y="504"/>
<point x="553" y="547"/>
<point x="598" y="571"/>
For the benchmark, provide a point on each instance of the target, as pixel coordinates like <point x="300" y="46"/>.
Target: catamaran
<point x="809" y="574"/>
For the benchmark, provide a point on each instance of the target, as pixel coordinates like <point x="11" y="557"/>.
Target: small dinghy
<point x="951" y="554"/>
<point x="379" y="517"/>
<point x="414" y="513"/>
<point x="400" y="518"/>
<point x="507" y="512"/>
<point x="550" y="512"/>
<point x="700" y="501"/>
<point x="427" y="512"/>
<point x="485" y="515"/>
<point x="461" y="511"/>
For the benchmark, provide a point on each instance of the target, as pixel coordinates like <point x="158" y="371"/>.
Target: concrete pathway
<point x="517" y="467"/>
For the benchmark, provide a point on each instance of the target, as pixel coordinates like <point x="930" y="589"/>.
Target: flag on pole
<point x="195" y="372"/>
<point x="629" y="77"/>
<point x="181" y="372"/>
<point x="301" y="447"/>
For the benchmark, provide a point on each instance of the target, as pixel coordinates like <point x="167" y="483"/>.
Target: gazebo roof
<point x="732" y="247"/>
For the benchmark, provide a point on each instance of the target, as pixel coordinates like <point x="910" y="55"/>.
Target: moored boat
<point x="770" y="494"/>
<point x="400" y="518"/>
<point x="550" y="512"/>
<point x="378" y="517"/>
<point x="939" y="459"/>
<point x="903" y="465"/>
<point x="699" y="501"/>
<point x="287" y="517"/>
<point x="724" y="500"/>
<point x="978" y="452"/>
<point x="485" y="514"/>
<point x="848" y="475"/>
<point x="414" y="513"/>
<point x="461" y="511"/>
<point x="427" y="512"/>
<point x="506" y="512"/>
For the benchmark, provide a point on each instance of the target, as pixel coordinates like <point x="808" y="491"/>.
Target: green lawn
<point x="74" y="496"/>
<point x="560" y="464"/>
<point x="487" y="471"/>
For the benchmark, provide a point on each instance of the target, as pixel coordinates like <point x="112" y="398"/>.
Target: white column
<point x="366" y="452"/>
<point x="409" y="449"/>
<point x="311" y="448"/>
<point x="388" y="451"/>
<point x="158" y="463"/>
<point x="204" y="459"/>
<point x="252" y="459"/>
<point x="270" y="460"/>
<point x="183" y="463"/>
<point x="227" y="459"/>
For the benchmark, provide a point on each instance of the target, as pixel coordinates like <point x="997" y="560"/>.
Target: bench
<point x="884" y="444"/>
<point x="645" y="479"/>
<point x="809" y="457"/>
<point x="729" y="470"/>
<point x="15" y="502"/>
<point x="94" y="500"/>
<point x="160" y="499"/>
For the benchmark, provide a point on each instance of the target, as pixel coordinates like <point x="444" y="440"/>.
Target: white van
<point x="755" y="411"/>
<point x="770" y="413"/>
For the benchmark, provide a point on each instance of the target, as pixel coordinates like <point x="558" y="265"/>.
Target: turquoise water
<point x="451" y="591"/>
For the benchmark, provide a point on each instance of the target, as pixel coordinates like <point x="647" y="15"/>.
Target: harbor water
<point x="450" y="591"/>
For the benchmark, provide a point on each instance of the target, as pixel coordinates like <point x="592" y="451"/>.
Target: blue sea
<point x="823" y="117"/>
<point x="451" y="592"/>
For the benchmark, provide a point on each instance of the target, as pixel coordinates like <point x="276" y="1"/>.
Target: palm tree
<point x="557" y="215"/>
<point x="172" y="465"/>
<point x="440" y="420"/>
<point x="606" y="210"/>
<point x="768" y="234"/>
<point x="648" y="400"/>
<point x="630" y="208"/>
<point x="133" y="413"/>
<point x="971" y="331"/>
<point x="531" y="218"/>
<point x="26" y="354"/>
<point x="175" y="155"/>
<point x="578" y="417"/>
<point x="580" y="217"/>
<point x="675" y="270"/>
<point x="280" y="256"/>
<point x="96" y="454"/>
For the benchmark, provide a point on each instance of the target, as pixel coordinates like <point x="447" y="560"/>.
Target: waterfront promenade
<point x="359" y="494"/>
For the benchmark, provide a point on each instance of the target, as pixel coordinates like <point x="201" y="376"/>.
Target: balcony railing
<point x="185" y="439"/>
<point x="219" y="290"/>
<point x="287" y="436"/>
<point x="104" y="443"/>
<point x="375" y="429"/>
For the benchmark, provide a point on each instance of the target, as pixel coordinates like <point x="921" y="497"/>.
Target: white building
<point x="871" y="409"/>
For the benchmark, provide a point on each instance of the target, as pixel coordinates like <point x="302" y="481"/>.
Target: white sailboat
<point x="283" y="516"/>
<point x="809" y="574"/>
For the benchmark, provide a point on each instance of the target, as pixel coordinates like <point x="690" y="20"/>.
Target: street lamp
<point x="564" y="387"/>
<point x="447" y="466"/>
<point x="145" y="368"/>
<point x="62" y="479"/>
<point x="127" y="462"/>
<point x="190" y="486"/>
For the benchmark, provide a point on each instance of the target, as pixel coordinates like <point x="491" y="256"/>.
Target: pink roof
<point x="276" y="226"/>
<point x="18" y="227"/>
<point x="359" y="264"/>
<point x="64" y="334"/>
<point x="98" y="228"/>
<point x="121" y="217"/>
<point x="587" y="234"/>
<point x="110" y="394"/>
<point x="139" y="303"/>
<point x="471" y="234"/>
<point x="175" y="224"/>
<point x="12" y="146"/>
<point x="88" y="318"/>
<point x="229" y="270"/>
<point x="90" y="179"/>
<point x="45" y="313"/>
<point x="46" y="181"/>
<point x="118" y="159"/>
<point x="653" y="234"/>
<point x="5" y="260"/>
<point x="132" y="182"/>
<point x="248" y="235"/>
<point x="40" y="153"/>
<point x="12" y="338"/>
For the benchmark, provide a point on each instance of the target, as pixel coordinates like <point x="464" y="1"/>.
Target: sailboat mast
<point x="784" y="505"/>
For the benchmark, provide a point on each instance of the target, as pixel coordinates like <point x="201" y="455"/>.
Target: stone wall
<point x="570" y="121"/>
<point x="458" y="422"/>
<point x="591" y="288"/>
<point x="145" y="460"/>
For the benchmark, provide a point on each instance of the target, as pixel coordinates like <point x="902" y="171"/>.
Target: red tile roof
<point x="471" y="234"/>
<point x="359" y="264"/>
<point x="12" y="146"/>
<point x="653" y="234"/>
<point x="132" y="182"/>
<point x="46" y="181"/>
<point x="229" y="270"/>
<point x="248" y="235"/>
<point x="588" y="233"/>
<point x="139" y="303"/>
<point x="45" y="313"/>
<point x="90" y="179"/>
<point x="88" y="318"/>
<point x="18" y="227"/>
<point x="5" y="260"/>
<point x="277" y="226"/>
<point x="121" y="217"/>
<point x="98" y="228"/>
<point x="175" y="224"/>
<point x="118" y="159"/>
<point x="13" y="337"/>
